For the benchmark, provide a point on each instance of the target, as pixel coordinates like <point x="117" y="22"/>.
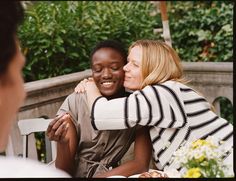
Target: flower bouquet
<point x="202" y="159"/>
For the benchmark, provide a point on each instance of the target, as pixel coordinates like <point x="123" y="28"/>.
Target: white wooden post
<point x="165" y="23"/>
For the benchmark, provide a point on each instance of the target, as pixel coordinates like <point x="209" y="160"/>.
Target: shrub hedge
<point x="57" y="37"/>
<point x="202" y="30"/>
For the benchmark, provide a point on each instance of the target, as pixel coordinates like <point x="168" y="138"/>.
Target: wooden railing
<point x="44" y="97"/>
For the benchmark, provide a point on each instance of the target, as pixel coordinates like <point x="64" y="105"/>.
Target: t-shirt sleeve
<point x="70" y="105"/>
<point x="157" y="105"/>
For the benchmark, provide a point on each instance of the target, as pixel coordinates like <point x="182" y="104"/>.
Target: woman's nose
<point x="126" y="67"/>
<point x="106" y="73"/>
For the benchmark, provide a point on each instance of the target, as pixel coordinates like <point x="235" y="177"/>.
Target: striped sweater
<point x="175" y="113"/>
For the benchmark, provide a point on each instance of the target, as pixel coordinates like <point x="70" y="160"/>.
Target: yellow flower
<point x="199" y="143"/>
<point x="193" y="173"/>
<point x="38" y="144"/>
<point x="200" y="159"/>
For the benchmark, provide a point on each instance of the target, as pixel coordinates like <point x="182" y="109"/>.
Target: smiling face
<point x="133" y="72"/>
<point x="107" y="71"/>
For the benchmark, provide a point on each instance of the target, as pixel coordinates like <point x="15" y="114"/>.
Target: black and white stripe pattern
<point x="159" y="104"/>
<point x="138" y="110"/>
<point x="175" y="112"/>
<point x="176" y="100"/>
<point x="149" y="106"/>
<point x="126" y="113"/>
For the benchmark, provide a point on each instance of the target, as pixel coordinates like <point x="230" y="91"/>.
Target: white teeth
<point x="107" y="83"/>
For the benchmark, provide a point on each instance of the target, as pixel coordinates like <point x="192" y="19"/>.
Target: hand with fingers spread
<point x="89" y="86"/>
<point x="58" y="128"/>
<point x="84" y="85"/>
<point x="80" y="88"/>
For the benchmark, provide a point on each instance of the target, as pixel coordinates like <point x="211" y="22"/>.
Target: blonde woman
<point x="161" y="99"/>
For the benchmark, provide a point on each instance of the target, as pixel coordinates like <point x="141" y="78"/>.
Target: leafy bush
<point x="202" y="31"/>
<point x="57" y="37"/>
<point x="226" y="109"/>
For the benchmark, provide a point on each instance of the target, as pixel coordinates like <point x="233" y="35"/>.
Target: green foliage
<point x="209" y="169"/>
<point x="57" y="37"/>
<point x="202" y="31"/>
<point x="226" y="109"/>
<point x="40" y="146"/>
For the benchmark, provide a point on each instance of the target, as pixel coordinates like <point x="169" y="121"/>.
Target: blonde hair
<point x="159" y="63"/>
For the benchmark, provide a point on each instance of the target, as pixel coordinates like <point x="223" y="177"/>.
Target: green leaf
<point x="227" y="28"/>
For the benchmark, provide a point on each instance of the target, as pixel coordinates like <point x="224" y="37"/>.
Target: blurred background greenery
<point x="57" y="37"/>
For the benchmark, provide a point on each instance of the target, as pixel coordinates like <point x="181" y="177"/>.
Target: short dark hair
<point x="114" y="44"/>
<point x="11" y="15"/>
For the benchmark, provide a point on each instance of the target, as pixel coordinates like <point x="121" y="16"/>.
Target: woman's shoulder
<point x="75" y="95"/>
<point x="172" y="84"/>
<point x="167" y="84"/>
<point x="79" y="98"/>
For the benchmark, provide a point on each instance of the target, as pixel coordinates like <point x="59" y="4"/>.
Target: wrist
<point x="63" y="143"/>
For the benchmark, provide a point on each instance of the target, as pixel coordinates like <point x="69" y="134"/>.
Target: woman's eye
<point x="97" y="69"/>
<point x="115" y="68"/>
<point x="135" y="64"/>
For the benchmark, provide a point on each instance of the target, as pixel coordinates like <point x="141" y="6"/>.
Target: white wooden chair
<point x="28" y="126"/>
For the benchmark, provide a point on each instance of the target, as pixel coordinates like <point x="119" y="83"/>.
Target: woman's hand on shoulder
<point x="80" y="88"/>
<point x="86" y="84"/>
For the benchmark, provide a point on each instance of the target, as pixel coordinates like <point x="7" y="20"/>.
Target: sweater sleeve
<point x="157" y="105"/>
